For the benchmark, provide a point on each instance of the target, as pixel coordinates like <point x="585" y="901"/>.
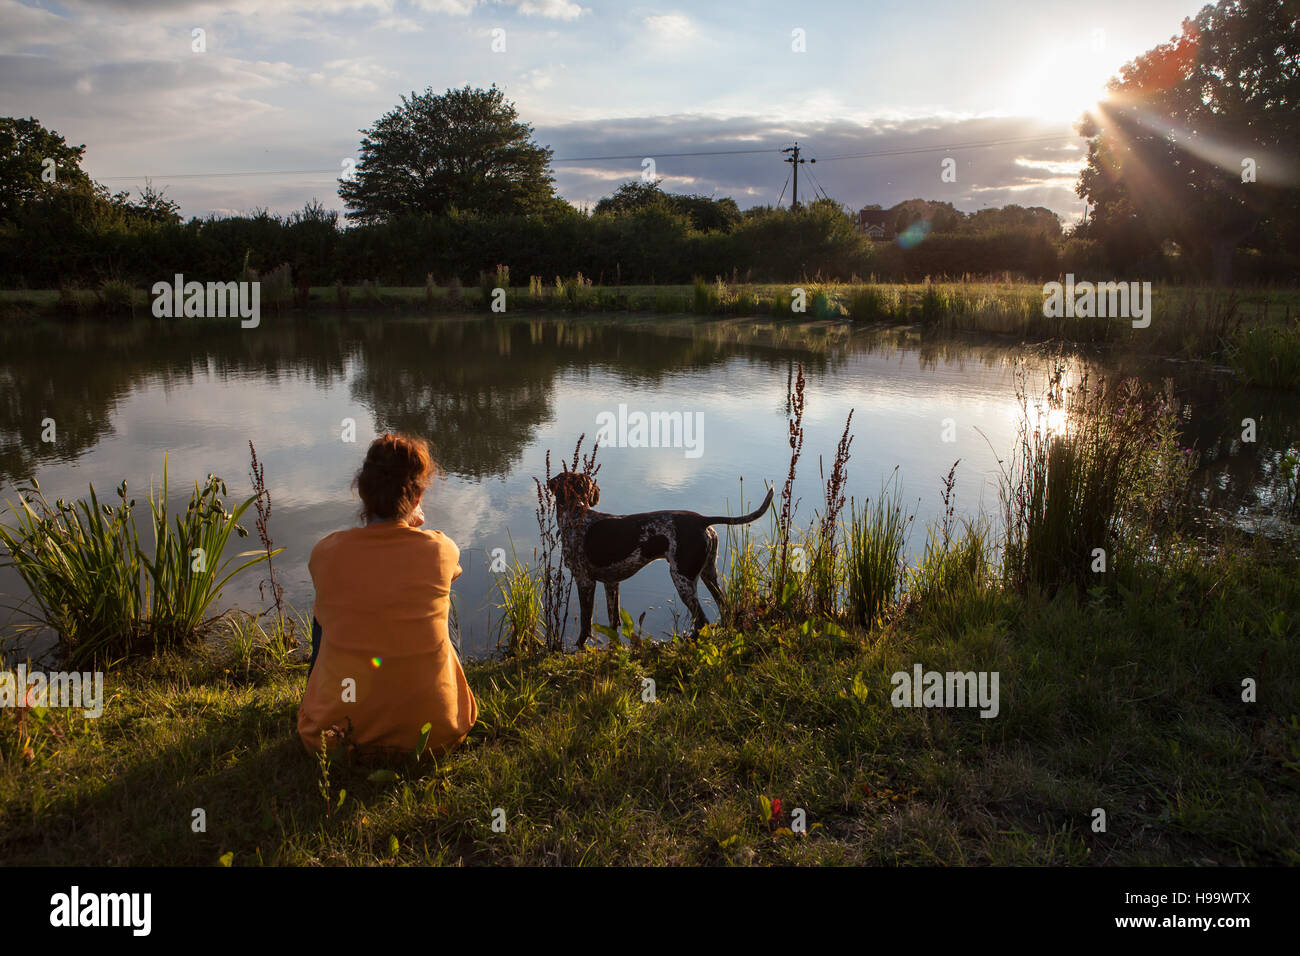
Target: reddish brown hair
<point x="397" y="471"/>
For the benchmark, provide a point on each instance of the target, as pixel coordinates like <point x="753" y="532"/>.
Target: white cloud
<point x="667" y="27"/>
<point x="398" y="25"/>
<point x="352" y="74"/>
<point x="551" y="9"/>
<point x="456" y="8"/>
<point x="1060" y="167"/>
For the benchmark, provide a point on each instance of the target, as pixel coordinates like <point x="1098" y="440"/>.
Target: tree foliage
<point x="705" y="213"/>
<point x="463" y="149"/>
<point x="25" y="145"/>
<point x="1169" y="146"/>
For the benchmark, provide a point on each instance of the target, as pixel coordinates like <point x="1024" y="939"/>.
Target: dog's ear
<point x="566" y="489"/>
<point x="594" y="496"/>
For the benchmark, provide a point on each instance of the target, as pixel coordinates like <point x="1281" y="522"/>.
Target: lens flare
<point x="913" y="234"/>
<point x="376" y="661"/>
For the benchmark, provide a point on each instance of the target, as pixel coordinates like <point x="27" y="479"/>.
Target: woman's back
<point x="383" y="593"/>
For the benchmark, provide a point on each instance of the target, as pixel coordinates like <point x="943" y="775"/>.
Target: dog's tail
<point x="744" y="519"/>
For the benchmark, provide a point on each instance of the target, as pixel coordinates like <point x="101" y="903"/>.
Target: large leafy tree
<point x="1167" y="148"/>
<point x="25" y="145"/>
<point x="43" y="187"/>
<point x="463" y="149"/>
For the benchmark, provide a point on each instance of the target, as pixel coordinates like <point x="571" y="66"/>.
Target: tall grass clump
<point x="1267" y="358"/>
<point x="116" y="295"/>
<point x="576" y="292"/>
<point x="782" y="302"/>
<point x="875" y="538"/>
<point x="489" y="282"/>
<point x="955" y="574"/>
<point x="1096" y="480"/>
<point x="936" y="304"/>
<point x="521" y="631"/>
<point x="536" y="291"/>
<point x="705" y="297"/>
<point x="260" y="649"/>
<point x="749" y="574"/>
<point x="868" y="304"/>
<point x="105" y="596"/>
<point x="277" y="286"/>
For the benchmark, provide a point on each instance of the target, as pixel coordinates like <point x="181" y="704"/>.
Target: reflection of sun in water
<point x="1054" y="421"/>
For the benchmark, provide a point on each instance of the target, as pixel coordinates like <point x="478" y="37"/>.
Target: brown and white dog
<point x="611" y="548"/>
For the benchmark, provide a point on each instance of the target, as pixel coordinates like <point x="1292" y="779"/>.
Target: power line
<point x="939" y="149"/>
<point x="782" y="196"/>
<point x="717" y="152"/>
<point x="336" y="172"/>
<point x="246" y="172"/>
<point x="820" y="188"/>
<point x="630" y="156"/>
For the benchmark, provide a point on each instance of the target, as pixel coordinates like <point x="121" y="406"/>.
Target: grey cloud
<point x="987" y="175"/>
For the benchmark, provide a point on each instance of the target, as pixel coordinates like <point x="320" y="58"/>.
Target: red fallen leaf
<point x="776" y="809"/>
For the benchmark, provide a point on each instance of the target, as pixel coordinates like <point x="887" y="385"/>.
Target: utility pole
<point x="795" y="162"/>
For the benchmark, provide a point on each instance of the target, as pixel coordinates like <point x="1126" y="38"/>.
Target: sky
<point x="272" y="105"/>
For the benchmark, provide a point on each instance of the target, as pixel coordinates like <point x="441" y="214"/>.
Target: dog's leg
<point x="710" y="572"/>
<point x="686" y="591"/>
<point x="586" y="609"/>
<point x="611" y="599"/>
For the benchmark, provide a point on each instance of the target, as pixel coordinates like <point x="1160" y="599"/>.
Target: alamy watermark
<point x="922" y="688"/>
<point x="626" y="429"/>
<point x="72" y="689"/>
<point x="75" y="908"/>
<point x="215" y="300"/>
<point x="1100" y="300"/>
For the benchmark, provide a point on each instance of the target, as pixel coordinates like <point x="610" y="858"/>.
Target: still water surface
<point x="496" y="394"/>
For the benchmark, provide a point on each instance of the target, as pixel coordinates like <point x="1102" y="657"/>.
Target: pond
<point x="495" y="394"/>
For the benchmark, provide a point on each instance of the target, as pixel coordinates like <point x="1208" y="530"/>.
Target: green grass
<point x="1268" y="358"/>
<point x="1132" y="705"/>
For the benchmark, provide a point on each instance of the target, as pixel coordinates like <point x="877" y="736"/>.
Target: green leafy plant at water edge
<point x="101" y="591"/>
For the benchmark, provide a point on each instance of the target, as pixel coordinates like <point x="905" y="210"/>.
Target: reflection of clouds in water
<point x="205" y="424"/>
<point x="467" y="513"/>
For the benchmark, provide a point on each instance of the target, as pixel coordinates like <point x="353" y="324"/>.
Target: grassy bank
<point x="1155" y="684"/>
<point x="1132" y="705"/>
<point x="1256" y="330"/>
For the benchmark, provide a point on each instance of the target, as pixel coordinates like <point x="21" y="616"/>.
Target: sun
<point x="1062" y="86"/>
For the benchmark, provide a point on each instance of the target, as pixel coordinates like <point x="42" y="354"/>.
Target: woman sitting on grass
<point x="383" y="664"/>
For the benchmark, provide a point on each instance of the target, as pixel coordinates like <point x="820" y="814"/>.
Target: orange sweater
<point x="383" y="593"/>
